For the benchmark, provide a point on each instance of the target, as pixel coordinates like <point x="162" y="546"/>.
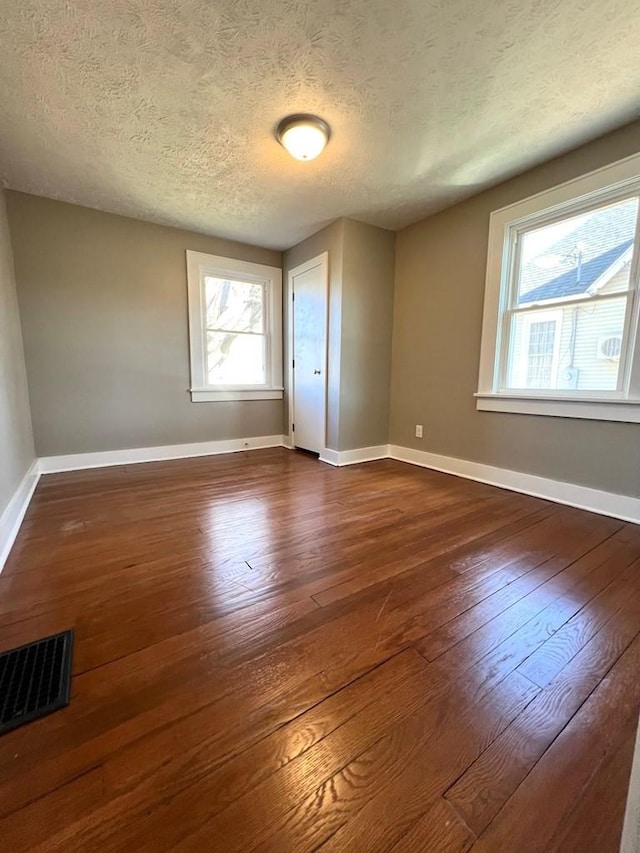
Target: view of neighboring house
<point x="572" y="301"/>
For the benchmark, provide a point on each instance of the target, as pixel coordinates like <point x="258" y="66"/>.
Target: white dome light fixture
<point x="304" y="136"/>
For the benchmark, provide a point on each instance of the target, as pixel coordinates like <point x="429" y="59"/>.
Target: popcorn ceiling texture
<point x="164" y="109"/>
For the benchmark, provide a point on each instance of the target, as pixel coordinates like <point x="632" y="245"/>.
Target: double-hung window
<point x="235" y="329"/>
<point x="562" y="301"/>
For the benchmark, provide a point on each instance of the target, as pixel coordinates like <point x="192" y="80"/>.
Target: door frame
<point x="322" y="261"/>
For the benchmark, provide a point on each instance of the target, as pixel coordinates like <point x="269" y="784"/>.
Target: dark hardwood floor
<point x="276" y="655"/>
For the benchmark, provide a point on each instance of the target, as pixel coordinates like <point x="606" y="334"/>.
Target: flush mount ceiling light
<point x="304" y="136"/>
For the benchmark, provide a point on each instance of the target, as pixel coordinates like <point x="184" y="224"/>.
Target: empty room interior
<point x="319" y="426"/>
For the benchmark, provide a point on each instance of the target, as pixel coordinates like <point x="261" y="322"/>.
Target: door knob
<point x="316" y="373"/>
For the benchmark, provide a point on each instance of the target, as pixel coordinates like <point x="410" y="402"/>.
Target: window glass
<point x="578" y="256"/>
<point x="235" y="359"/>
<point x="236" y="340"/>
<point x="236" y="306"/>
<point x="566" y="322"/>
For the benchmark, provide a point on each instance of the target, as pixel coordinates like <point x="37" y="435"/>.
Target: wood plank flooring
<point x="276" y="655"/>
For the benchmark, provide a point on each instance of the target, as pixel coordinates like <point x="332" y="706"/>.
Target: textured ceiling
<point x="164" y="109"/>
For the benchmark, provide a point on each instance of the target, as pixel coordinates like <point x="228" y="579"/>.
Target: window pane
<point x="533" y="361"/>
<point x="542" y="337"/>
<point x="578" y="256"/>
<point x="235" y="359"/>
<point x="236" y="306"/>
<point x="573" y="348"/>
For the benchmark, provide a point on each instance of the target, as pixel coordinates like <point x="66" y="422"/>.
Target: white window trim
<point x="200" y="264"/>
<point x="609" y="183"/>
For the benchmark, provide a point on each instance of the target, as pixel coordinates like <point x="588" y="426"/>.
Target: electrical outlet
<point x="418" y="430"/>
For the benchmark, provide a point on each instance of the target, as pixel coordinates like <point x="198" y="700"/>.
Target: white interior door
<point x="308" y="284"/>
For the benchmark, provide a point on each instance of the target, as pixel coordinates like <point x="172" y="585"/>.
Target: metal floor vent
<point x="35" y="680"/>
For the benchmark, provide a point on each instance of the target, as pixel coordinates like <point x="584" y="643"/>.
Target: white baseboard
<point x="102" y="459"/>
<point x="354" y="457"/>
<point x="594" y="500"/>
<point x="329" y="456"/>
<point x="287" y="442"/>
<point x="14" y="512"/>
<point x="583" y="497"/>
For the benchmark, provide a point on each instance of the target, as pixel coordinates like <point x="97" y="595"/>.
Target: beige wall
<point x="361" y="269"/>
<point x="440" y="270"/>
<point x="103" y="303"/>
<point x="16" y="439"/>
<point x="367" y="326"/>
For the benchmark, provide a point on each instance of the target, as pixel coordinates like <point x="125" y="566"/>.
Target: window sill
<point x="226" y="395"/>
<point x="601" y="409"/>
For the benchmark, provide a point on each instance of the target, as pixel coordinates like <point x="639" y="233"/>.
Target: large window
<point x="562" y="302"/>
<point x="235" y="328"/>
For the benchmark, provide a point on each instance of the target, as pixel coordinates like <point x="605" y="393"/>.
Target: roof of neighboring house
<point x="568" y="284"/>
<point x="603" y="237"/>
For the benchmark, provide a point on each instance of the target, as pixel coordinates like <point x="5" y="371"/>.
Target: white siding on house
<point x="594" y="321"/>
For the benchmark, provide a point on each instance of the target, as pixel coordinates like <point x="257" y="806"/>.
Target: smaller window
<point x="235" y="329"/>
